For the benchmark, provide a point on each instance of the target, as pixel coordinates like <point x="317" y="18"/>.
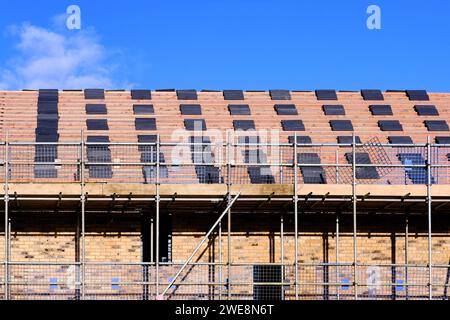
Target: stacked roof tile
<point x="322" y="116"/>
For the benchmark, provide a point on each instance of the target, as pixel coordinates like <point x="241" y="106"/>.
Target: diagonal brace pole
<point x="201" y="243"/>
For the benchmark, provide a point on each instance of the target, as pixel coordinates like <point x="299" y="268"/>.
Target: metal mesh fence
<point x="389" y="282"/>
<point x="440" y="280"/>
<point x="119" y="281"/>
<point x="326" y="282"/>
<point x="322" y="165"/>
<point x="43" y="163"/>
<point x="209" y="163"/>
<point x="260" y="164"/>
<point x="209" y="281"/>
<point x="44" y="281"/>
<point x="440" y="157"/>
<point x="196" y="282"/>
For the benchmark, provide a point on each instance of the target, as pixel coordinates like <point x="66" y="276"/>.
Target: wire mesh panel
<point x="320" y="165"/>
<point x="339" y="278"/>
<point x="417" y="279"/>
<point x="261" y="164"/>
<point x="242" y="283"/>
<point x="325" y="282"/>
<point x="381" y="282"/>
<point x="261" y="282"/>
<point x="44" y="163"/>
<point x="193" y="163"/>
<point x="417" y="173"/>
<point x="196" y="282"/>
<point x="288" y="280"/>
<point x="99" y="154"/>
<point x="398" y="165"/>
<point x="441" y="282"/>
<point x="380" y="164"/>
<point x="119" y="281"/>
<point x="365" y="170"/>
<point x="441" y="156"/>
<point x="380" y="155"/>
<point x="207" y="168"/>
<point x="151" y="157"/>
<point x="207" y="162"/>
<point x="343" y="169"/>
<point x="180" y="169"/>
<point x="268" y="282"/>
<point x="112" y="163"/>
<point x="209" y="281"/>
<point x="44" y="281"/>
<point x="392" y="282"/>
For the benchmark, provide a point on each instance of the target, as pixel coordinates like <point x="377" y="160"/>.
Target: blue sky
<point x="228" y="44"/>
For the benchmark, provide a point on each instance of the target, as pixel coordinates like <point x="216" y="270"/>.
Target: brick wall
<point x="113" y="238"/>
<point x="255" y="238"/>
<point x="43" y="237"/>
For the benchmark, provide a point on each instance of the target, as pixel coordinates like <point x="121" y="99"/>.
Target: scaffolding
<point x="426" y="165"/>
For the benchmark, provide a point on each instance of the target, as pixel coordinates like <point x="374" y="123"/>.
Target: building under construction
<point x="185" y="194"/>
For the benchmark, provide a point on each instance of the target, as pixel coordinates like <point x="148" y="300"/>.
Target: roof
<point x="20" y="114"/>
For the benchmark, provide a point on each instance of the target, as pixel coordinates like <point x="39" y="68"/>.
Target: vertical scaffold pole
<point x="355" y="269"/>
<point x="229" y="214"/>
<point x="295" y="217"/>
<point x="406" y="252"/>
<point x="158" y="146"/>
<point x="282" y="240"/>
<point x="83" y="219"/>
<point x="7" y="229"/>
<point x="429" y="202"/>
<point x="337" y="253"/>
<point x="222" y="158"/>
<point x="282" y="250"/>
<point x="220" y="261"/>
<point x="152" y="235"/>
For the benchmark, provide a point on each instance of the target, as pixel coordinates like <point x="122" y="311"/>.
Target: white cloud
<point x="49" y="59"/>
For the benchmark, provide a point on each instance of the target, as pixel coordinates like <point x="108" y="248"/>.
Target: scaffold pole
<point x="355" y="252"/>
<point x="220" y="261"/>
<point x="337" y="252"/>
<point x="295" y="217"/>
<point x="282" y="239"/>
<point x="157" y="185"/>
<point x="83" y="219"/>
<point x="429" y="203"/>
<point x="406" y="251"/>
<point x="229" y="214"/>
<point x="7" y="220"/>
